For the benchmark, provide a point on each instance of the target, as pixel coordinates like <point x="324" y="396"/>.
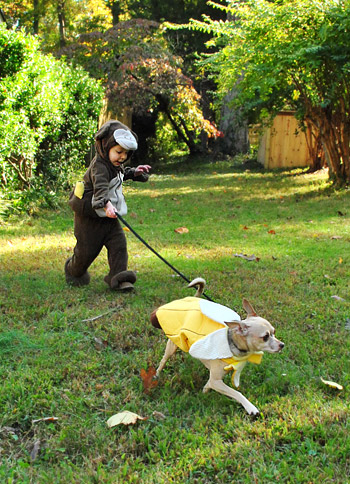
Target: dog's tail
<point x="199" y="283"/>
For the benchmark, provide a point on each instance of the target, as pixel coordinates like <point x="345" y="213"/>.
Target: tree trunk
<point x="334" y="129"/>
<point x="235" y="130"/>
<point x="115" y="9"/>
<point x="61" y="22"/>
<point x="183" y="134"/>
<point x="36" y="16"/>
<point x="314" y="144"/>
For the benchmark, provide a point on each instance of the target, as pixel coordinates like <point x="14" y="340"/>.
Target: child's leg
<point x="118" y="259"/>
<point x="90" y="234"/>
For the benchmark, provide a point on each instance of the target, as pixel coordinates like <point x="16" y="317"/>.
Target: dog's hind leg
<point x="169" y="352"/>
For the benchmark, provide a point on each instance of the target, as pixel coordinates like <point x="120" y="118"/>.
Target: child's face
<point x="117" y="155"/>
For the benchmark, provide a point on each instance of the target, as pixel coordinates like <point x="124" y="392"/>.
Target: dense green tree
<point x="139" y="72"/>
<point x="48" y="114"/>
<point x="292" y="53"/>
<point x="58" y="22"/>
<point x="184" y="42"/>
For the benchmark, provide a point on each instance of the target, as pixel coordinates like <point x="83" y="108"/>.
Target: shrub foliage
<point x="48" y="114"/>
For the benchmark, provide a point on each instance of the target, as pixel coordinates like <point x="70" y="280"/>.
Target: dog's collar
<point x="233" y="347"/>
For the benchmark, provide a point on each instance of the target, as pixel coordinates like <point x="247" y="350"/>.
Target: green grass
<point x="53" y="362"/>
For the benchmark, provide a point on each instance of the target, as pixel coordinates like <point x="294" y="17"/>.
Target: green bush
<point x="48" y="114"/>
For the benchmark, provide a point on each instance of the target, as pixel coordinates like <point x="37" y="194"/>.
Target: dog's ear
<point x="248" y="308"/>
<point x="241" y="327"/>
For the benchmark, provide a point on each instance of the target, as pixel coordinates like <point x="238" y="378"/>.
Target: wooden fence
<point x="283" y="144"/>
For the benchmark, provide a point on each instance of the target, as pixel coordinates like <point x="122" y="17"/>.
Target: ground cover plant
<point x="76" y="354"/>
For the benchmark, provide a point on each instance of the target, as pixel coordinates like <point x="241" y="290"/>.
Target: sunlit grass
<point x="76" y="353"/>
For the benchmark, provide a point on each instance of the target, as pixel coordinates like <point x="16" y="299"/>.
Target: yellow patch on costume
<point x="79" y="189"/>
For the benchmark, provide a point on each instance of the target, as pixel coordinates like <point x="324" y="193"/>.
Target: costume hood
<point x="105" y="138"/>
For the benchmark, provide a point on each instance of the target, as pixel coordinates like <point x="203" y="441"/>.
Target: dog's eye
<point x="266" y="337"/>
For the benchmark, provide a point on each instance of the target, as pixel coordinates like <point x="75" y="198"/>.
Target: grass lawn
<point x="76" y="353"/>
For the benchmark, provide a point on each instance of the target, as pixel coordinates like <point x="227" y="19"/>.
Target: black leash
<point x="156" y="253"/>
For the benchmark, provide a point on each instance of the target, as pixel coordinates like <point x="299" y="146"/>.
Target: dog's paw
<point x="253" y="412"/>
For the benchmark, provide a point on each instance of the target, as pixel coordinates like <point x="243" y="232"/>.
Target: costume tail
<point x="154" y="320"/>
<point x="199" y="283"/>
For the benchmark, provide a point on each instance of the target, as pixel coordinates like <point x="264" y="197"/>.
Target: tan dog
<point x="217" y="337"/>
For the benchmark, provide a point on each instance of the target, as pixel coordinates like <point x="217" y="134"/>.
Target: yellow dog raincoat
<point x="198" y="326"/>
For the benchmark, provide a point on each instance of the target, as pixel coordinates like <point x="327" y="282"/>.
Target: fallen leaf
<point x="340" y="260"/>
<point x="332" y="384"/>
<point x="100" y="344"/>
<point x="181" y="230"/>
<point x="247" y="257"/>
<point x="148" y="378"/>
<point x="341" y="214"/>
<point x="158" y="415"/>
<point x="35" y="450"/>
<point x="126" y="229"/>
<point x="133" y="215"/>
<point x="245" y="227"/>
<point x="271" y="232"/>
<point x="45" y="419"/>
<point x="336" y="237"/>
<point x="125" y="418"/>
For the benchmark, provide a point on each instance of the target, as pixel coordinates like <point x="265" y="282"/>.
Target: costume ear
<point x="249" y="308"/>
<point x="103" y="131"/>
<point x="241" y="327"/>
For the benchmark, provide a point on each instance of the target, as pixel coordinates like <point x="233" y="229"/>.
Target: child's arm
<point x="140" y="173"/>
<point x="110" y="210"/>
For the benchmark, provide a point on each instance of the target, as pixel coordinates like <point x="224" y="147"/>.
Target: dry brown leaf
<point x="35" y="450"/>
<point x="337" y="298"/>
<point x="247" y="257"/>
<point x="158" y="415"/>
<point x="271" y="231"/>
<point x="45" y="419"/>
<point x="100" y="344"/>
<point x="125" y="418"/>
<point x="148" y="379"/>
<point x="181" y="230"/>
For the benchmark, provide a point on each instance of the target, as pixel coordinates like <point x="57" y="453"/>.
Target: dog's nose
<point x="281" y="345"/>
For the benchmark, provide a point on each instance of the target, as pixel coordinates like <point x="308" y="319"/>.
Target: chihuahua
<point x="216" y="336"/>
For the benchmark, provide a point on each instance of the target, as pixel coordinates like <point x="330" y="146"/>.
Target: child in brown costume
<point x="95" y="220"/>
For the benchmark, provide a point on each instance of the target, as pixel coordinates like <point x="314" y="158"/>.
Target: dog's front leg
<point x="169" y="351"/>
<point x="215" y="382"/>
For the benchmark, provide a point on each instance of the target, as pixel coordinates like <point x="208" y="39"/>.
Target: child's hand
<point x="142" y="169"/>
<point x="110" y="210"/>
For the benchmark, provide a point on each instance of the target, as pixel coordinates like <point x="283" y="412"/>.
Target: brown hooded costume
<point x="94" y="231"/>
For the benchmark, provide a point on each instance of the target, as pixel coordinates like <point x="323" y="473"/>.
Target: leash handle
<point x="156" y="253"/>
